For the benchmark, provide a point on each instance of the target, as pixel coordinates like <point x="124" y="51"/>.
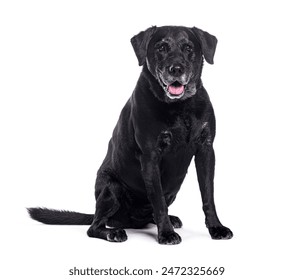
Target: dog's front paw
<point x="169" y="238"/>
<point x="220" y="232"/>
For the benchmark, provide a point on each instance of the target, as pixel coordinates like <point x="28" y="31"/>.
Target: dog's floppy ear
<point x="208" y="43"/>
<point x="140" y="43"/>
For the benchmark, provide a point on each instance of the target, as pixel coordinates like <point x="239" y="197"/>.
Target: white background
<point x="66" y="70"/>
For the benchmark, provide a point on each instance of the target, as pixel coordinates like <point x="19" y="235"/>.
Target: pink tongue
<point x="176" y="90"/>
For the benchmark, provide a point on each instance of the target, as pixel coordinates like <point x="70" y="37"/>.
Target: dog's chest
<point x="182" y="131"/>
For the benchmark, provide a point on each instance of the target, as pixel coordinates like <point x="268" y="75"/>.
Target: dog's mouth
<point x="175" y="90"/>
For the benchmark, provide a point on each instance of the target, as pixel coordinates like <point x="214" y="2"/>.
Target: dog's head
<point x="174" y="56"/>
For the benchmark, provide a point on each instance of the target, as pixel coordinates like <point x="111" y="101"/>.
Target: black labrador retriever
<point x="167" y="120"/>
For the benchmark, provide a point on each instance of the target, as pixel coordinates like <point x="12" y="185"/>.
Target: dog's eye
<point x="162" y="48"/>
<point x="188" y="48"/>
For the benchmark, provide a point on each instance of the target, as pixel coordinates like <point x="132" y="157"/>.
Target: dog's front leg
<point x="152" y="179"/>
<point x="205" y="162"/>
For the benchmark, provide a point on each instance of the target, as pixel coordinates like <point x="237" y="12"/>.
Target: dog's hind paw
<point x="112" y="235"/>
<point x="117" y="235"/>
<point x="175" y="221"/>
<point x="169" y="238"/>
<point x="220" y="232"/>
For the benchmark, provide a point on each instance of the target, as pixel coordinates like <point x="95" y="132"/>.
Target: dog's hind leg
<point x="175" y="221"/>
<point x="107" y="204"/>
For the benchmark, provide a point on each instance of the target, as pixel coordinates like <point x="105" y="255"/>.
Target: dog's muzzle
<point x="174" y="87"/>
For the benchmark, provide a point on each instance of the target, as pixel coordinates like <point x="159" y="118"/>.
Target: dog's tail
<point x="60" y="217"/>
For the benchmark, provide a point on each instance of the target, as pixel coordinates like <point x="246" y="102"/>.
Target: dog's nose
<point x="176" y="70"/>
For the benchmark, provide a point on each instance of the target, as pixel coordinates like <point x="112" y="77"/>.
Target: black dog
<point x="168" y="120"/>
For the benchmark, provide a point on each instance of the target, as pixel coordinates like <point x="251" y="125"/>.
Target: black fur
<point x="60" y="217"/>
<point x="167" y="121"/>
